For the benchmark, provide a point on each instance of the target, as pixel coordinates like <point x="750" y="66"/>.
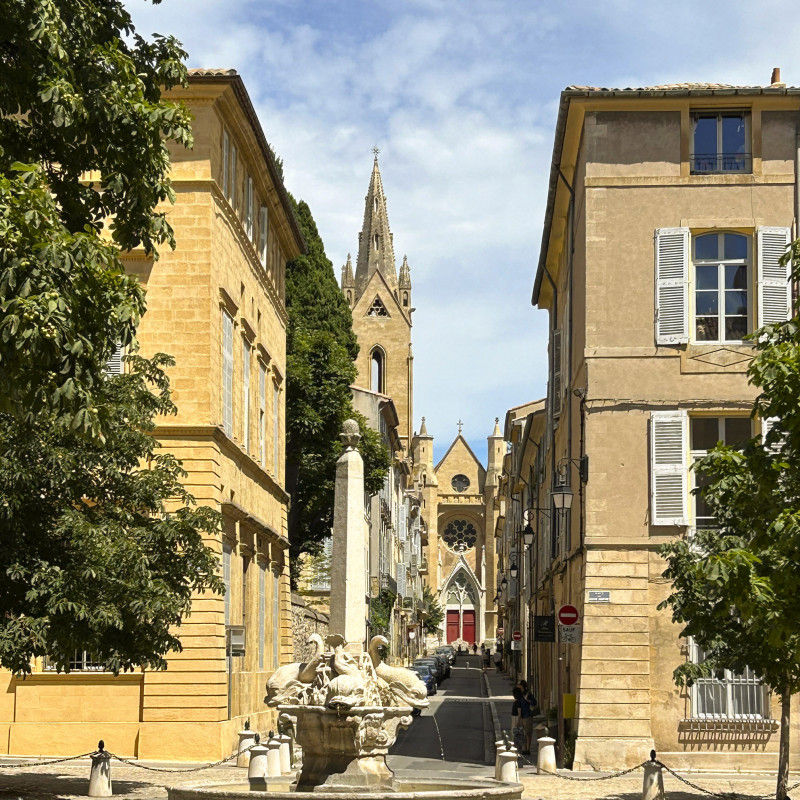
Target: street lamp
<point x="504" y="583"/>
<point x="527" y="535"/>
<point x="512" y="571"/>
<point x="562" y="497"/>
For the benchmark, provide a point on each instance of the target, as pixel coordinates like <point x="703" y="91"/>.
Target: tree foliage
<point x="89" y="557"/>
<point x="381" y="609"/>
<point x="435" y="615"/>
<point x="321" y="348"/>
<point x="735" y="588"/>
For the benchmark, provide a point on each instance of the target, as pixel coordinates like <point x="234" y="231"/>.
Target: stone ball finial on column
<point x="350" y="434"/>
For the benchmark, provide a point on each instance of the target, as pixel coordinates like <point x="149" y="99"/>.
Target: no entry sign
<point x="517" y="636"/>
<point x="567" y="615"/>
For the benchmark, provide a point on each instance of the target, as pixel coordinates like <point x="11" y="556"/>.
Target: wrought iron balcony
<point x="388" y="582"/>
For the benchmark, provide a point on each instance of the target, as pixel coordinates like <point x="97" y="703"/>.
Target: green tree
<point x="435" y="614"/>
<point x="735" y="589"/>
<point x="321" y="348"/>
<point x="100" y="548"/>
<point x="381" y="609"/>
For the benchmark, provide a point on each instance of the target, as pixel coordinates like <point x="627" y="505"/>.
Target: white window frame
<point x="116" y="364"/>
<point x="722" y="693"/>
<point x="263" y="233"/>
<point x="246" y="392"/>
<point x="227" y="373"/>
<point x="720" y="263"/>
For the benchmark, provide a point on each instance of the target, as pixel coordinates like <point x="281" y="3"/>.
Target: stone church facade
<point x="452" y="514"/>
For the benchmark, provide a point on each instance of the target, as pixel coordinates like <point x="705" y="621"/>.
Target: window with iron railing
<point x="721" y="142"/>
<point x="81" y="661"/>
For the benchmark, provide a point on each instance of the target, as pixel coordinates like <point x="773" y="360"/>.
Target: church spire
<point x="348" y="282"/>
<point x="405" y="274"/>
<point x="375" y="246"/>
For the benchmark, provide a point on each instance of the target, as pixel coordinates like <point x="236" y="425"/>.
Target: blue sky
<point x="461" y="97"/>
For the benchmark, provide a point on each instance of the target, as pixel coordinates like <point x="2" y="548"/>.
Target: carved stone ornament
<point x="350" y="434"/>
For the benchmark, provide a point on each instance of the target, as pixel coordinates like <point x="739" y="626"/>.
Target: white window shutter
<point x="766" y="427"/>
<point x="557" y="382"/>
<point x="672" y="285"/>
<point x="774" y="287"/>
<point x="114" y="365"/>
<point x="669" y="466"/>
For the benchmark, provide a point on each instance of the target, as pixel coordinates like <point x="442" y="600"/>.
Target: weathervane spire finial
<point x="375" y="151"/>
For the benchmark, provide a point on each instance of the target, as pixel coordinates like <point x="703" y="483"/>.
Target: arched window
<point x="378" y="366"/>
<point x="375" y="241"/>
<point x="405" y="299"/>
<point x="376" y="204"/>
<point x="350" y="298"/>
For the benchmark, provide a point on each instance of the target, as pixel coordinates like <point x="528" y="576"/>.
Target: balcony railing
<point x="388" y="582"/>
<point x="711" y="163"/>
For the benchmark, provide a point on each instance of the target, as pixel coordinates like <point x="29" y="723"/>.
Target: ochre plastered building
<point x="217" y="305"/>
<point x="667" y="212"/>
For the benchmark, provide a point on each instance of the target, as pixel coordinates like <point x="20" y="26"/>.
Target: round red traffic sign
<point x="517" y="636"/>
<point x="567" y="615"/>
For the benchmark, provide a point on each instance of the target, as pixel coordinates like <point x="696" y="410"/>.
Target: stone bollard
<point x="100" y="776"/>
<point x="546" y="760"/>
<point x="508" y="766"/>
<point x="285" y="753"/>
<point x="257" y="770"/>
<point x="500" y="747"/>
<point x="653" y="781"/>
<point x="246" y="738"/>
<point x="273" y="757"/>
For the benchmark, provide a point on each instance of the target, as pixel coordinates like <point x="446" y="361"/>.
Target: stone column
<point x="348" y="560"/>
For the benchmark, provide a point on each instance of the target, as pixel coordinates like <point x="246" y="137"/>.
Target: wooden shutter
<point x="557" y="385"/>
<point x="227" y="373"/>
<point x="766" y="427"/>
<point x="249" y="209"/>
<point x="774" y="287"/>
<point x="225" y="151"/>
<point x="232" y="178"/>
<point x="669" y="464"/>
<point x="114" y="365"/>
<point x="672" y="285"/>
<point x="262" y="234"/>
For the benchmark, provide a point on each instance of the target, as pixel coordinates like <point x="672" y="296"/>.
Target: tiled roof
<point x="677" y="87"/>
<point x="202" y="72"/>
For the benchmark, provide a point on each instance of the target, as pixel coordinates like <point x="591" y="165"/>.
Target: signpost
<point x="569" y="634"/>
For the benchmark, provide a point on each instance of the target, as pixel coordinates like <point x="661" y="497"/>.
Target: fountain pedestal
<point x="345" y="750"/>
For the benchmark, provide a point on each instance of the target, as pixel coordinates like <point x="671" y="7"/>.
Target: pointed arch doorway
<point x="462" y="608"/>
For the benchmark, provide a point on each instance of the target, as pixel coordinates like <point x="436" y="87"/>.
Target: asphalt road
<point x="452" y="728"/>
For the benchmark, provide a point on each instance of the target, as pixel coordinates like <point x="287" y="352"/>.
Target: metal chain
<point x="588" y="780"/>
<point x="189" y="769"/>
<point x="721" y="794"/>
<point x="45" y="763"/>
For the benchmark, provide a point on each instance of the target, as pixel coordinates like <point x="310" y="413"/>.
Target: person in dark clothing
<point x="474" y="648"/>
<point x="486" y="660"/>
<point x="522" y="717"/>
<point x="498" y="659"/>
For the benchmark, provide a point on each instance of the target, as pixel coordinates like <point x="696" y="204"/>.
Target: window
<point x="227" y="373"/>
<point x="262" y="413"/>
<point x="321" y="567"/>
<point x="262" y="611"/>
<point x="705" y="286"/>
<point x="263" y="229"/>
<point x="730" y="697"/>
<point x="80" y="661"/>
<point x="460" y="483"/>
<point x="405" y="299"/>
<point x="276" y="429"/>
<point x="557" y="386"/>
<point x="704" y="434"/>
<point x="721" y="142"/>
<point x="377" y="377"/>
<point x="225" y="163"/>
<point x="226" y="580"/>
<point x="276" y="617"/>
<point x="246" y="391"/>
<point x="460" y="535"/>
<point x="377" y="309"/>
<point x="248" y="208"/>
<point x="721" y="287"/>
<point x="232" y="177"/>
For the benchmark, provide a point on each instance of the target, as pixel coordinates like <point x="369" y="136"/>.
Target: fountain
<point x="344" y="705"/>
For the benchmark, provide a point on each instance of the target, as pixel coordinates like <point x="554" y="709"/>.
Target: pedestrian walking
<point x="474" y="648"/>
<point x="522" y="719"/>
<point x="498" y="659"/>
<point x="485" y="660"/>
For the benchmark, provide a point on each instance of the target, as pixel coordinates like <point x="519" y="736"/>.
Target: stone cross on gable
<point x="460" y="426"/>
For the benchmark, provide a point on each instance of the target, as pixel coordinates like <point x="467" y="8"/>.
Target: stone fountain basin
<point x="415" y="789"/>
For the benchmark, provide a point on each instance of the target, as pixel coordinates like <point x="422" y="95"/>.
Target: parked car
<point x="434" y="665"/>
<point x="426" y="676"/>
<point x="443" y="663"/>
<point x="449" y="652"/>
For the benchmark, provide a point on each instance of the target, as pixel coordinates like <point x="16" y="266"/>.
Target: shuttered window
<point x="248" y="206"/>
<point x="262" y="611"/>
<point x="774" y="287"/>
<point x="669" y="467"/>
<point x="226" y="580"/>
<point x="225" y="159"/>
<point x="672" y="285"/>
<point x="114" y="365"/>
<point x="557" y="383"/>
<point x="276" y="429"/>
<point x="263" y="230"/>
<point x="227" y="373"/>
<point x="276" y="618"/>
<point x="262" y="413"/>
<point x="246" y="392"/>
<point x="232" y="177"/>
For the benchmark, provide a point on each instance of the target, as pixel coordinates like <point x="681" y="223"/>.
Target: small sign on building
<point x="516" y="645"/>
<point x="544" y="628"/>
<point x="599" y="596"/>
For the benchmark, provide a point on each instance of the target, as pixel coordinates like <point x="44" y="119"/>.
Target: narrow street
<point x="453" y="727"/>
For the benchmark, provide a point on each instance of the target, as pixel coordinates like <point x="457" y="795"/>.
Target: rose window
<point x="460" y="535"/>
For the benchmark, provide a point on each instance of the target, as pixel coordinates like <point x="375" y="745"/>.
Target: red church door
<point x="452" y="626"/>
<point x="469" y="626"/>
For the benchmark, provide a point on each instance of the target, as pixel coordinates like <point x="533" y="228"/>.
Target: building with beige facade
<point x="216" y="303"/>
<point x="668" y="210"/>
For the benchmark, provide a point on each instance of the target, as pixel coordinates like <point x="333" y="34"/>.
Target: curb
<point x="498" y="731"/>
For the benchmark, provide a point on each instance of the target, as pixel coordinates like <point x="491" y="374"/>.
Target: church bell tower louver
<point x="381" y="306"/>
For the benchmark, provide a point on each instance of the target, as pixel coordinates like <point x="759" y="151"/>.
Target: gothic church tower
<point x="381" y="306"/>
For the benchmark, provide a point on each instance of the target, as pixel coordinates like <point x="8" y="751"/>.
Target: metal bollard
<point x="257" y="771"/>
<point x="500" y="747"/>
<point x="285" y="753"/>
<point x="246" y="738"/>
<point x="273" y="757"/>
<point x="546" y="760"/>
<point x="653" y="781"/>
<point x="508" y="766"/>
<point x="100" y="776"/>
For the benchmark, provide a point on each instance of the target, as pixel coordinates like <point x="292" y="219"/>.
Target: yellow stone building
<point x="667" y="212"/>
<point x="217" y="305"/>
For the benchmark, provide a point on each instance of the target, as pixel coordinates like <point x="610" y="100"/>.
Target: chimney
<point x="776" y="79"/>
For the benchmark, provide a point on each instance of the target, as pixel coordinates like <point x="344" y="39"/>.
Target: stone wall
<point x="306" y="621"/>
